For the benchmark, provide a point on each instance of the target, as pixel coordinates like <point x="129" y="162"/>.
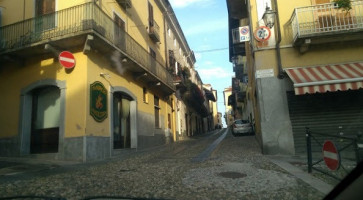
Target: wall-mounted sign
<point x="263" y="33"/>
<point x="66" y="59"/>
<point x="244" y="33"/>
<point x="264" y="73"/>
<point x="98" y="101"/>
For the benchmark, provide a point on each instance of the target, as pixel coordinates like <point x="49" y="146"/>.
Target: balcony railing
<point x="154" y="32"/>
<point x="325" y="19"/>
<point x="78" y="20"/>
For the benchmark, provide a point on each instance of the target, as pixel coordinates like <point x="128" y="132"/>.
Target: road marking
<point x="208" y="151"/>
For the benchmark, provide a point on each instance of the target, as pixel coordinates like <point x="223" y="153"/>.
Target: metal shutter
<point x="324" y="113"/>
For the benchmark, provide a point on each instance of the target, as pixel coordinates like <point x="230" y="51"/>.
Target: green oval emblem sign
<point x="98" y="102"/>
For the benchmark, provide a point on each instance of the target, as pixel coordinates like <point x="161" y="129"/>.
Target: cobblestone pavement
<point x="235" y="170"/>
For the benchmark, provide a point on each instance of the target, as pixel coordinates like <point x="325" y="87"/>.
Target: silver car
<point x="241" y="127"/>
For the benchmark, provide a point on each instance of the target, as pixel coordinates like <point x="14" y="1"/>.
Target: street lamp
<point x="269" y="17"/>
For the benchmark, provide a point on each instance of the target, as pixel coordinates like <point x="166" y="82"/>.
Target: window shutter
<point x="151" y="15"/>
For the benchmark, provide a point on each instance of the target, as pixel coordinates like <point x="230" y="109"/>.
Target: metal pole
<point x="356" y="150"/>
<point x="308" y="147"/>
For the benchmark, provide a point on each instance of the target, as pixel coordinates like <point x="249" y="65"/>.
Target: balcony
<point x="325" y="23"/>
<point x="125" y="3"/>
<point x="70" y="28"/>
<point x="154" y="32"/>
<point x="179" y="81"/>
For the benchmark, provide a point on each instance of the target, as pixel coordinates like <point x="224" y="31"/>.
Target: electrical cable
<point x="211" y="50"/>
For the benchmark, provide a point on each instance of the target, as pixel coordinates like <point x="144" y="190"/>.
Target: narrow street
<point x="198" y="168"/>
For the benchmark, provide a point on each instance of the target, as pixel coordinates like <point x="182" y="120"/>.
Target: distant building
<point x="228" y="101"/>
<point x="219" y="119"/>
<point x="211" y="97"/>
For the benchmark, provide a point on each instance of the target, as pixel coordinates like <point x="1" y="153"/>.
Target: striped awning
<point x="339" y="77"/>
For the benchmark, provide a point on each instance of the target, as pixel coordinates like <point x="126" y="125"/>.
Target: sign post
<point x="331" y="155"/>
<point x="66" y="59"/>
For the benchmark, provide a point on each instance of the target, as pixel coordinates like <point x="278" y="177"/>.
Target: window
<point x="169" y="32"/>
<point x="151" y="15"/>
<point x="174" y="42"/>
<point x="145" y="96"/>
<point x="180" y="51"/>
<point x="119" y="22"/>
<point x="43" y="7"/>
<point x="171" y="60"/>
<point x="157" y="112"/>
<point x="152" y="52"/>
<point x="169" y="121"/>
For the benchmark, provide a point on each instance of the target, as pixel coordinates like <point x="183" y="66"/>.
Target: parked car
<point x="242" y="127"/>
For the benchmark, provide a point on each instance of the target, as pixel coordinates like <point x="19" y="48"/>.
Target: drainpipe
<point x="278" y="52"/>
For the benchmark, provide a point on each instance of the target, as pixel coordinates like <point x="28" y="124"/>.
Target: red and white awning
<point x="340" y="77"/>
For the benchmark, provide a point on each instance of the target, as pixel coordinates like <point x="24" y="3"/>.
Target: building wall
<point x="84" y="138"/>
<point x="268" y="111"/>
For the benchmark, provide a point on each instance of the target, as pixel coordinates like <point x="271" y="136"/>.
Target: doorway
<point x="121" y="120"/>
<point x="45" y="120"/>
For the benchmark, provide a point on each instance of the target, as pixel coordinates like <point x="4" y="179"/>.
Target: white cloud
<point x="185" y="3"/>
<point x="214" y="73"/>
<point x="207" y="27"/>
<point x="198" y="56"/>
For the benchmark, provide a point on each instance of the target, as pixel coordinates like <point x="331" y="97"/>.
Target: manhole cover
<point x="232" y="175"/>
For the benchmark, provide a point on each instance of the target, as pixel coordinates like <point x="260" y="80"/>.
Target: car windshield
<point x="241" y="122"/>
<point x="179" y="99"/>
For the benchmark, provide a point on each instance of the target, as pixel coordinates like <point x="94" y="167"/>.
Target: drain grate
<point x="232" y="175"/>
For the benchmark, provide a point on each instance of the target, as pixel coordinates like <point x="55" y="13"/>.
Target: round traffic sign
<point x="263" y="33"/>
<point x="331" y="155"/>
<point x="244" y="30"/>
<point x="66" y="59"/>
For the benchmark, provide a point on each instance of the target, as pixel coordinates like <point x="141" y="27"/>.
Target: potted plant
<point x="345" y="5"/>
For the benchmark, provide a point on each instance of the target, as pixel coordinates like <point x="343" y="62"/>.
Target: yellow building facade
<point x="119" y="93"/>
<point x="304" y="70"/>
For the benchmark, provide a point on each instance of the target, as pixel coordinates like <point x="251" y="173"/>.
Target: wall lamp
<point x="269" y="17"/>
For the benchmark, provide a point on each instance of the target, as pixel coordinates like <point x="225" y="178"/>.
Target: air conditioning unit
<point x="125" y="3"/>
<point x="241" y="34"/>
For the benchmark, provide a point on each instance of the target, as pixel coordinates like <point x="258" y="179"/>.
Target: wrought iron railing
<point x="346" y="160"/>
<point x="325" y="19"/>
<point x="79" y="20"/>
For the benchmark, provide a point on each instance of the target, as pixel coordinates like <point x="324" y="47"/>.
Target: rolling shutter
<point x="325" y="113"/>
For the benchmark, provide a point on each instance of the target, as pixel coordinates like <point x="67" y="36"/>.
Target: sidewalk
<point x="285" y="163"/>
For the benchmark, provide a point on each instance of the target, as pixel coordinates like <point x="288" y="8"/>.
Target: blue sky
<point x="205" y="26"/>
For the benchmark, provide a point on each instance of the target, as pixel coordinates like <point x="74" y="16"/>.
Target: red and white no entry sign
<point x="66" y="59"/>
<point x="331" y="155"/>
